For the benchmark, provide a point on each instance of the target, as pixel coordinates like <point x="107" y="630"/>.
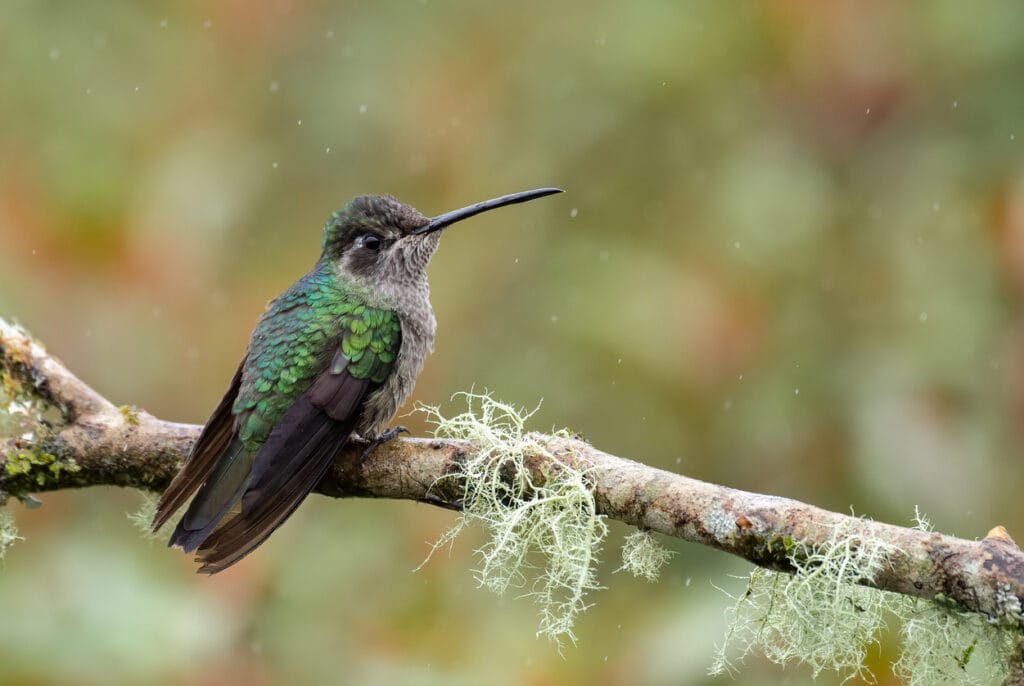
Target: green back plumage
<point x="297" y="338"/>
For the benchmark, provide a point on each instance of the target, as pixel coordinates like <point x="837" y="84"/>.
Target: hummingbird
<point x="331" y="360"/>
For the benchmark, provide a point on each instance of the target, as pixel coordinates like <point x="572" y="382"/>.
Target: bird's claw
<point x="382" y="437"/>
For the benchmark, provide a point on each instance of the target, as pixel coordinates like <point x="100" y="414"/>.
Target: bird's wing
<point x="303" y="444"/>
<point x="212" y="442"/>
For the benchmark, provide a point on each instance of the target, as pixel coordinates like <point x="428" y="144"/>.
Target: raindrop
<point x="923" y="316"/>
<point x="300" y="122"/>
<point x="1013" y="136"/>
<point x="956" y="103"/>
<point x="936" y="207"/>
<point x="554" y="319"/>
<point x="867" y="110"/>
<point x="362" y="109"/>
<point x="687" y="582"/>
<point x="327" y="150"/>
<point x="329" y="34"/>
<point x="796" y="391"/>
<point x="163" y="23"/>
<point x="573" y="212"/>
<point x="207" y="24"/>
<point x="54" y="54"/>
<point x="736" y="244"/>
<point x="274" y="86"/>
<point x="274" y="165"/>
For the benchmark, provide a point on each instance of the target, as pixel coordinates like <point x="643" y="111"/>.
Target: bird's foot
<point x="382" y="437"/>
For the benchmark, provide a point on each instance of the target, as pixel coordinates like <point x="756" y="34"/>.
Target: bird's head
<point x="376" y="238"/>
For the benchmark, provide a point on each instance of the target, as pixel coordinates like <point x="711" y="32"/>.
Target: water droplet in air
<point x="163" y="23"/>
<point x="274" y="86"/>
<point x="867" y="110"/>
<point x="274" y="165"/>
<point x="796" y="391"/>
<point x="54" y="54"/>
<point x="329" y="34"/>
<point x="327" y="150"/>
<point x="207" y="24"/>
<point x="936" y="207"/>
<point x="573" y="212"/>
<point x="362" y="109"/>
<point x="554" y="319"/>
<point x="300" y="122"/>
<point x="923" y="316"/>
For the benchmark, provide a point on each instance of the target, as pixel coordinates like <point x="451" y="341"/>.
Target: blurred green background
<point x="790" y="259"/>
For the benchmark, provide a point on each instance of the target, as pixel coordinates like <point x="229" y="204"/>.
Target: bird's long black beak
<point x="449" y="218"/>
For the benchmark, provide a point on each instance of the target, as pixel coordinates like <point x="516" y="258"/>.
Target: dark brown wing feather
<point x="212" y="442"/>
<point x="288" y="465"/>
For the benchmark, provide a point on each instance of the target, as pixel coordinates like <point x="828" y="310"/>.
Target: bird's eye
<point x="372" y="242"/>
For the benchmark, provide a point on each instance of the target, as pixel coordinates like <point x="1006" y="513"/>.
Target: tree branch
<point x="97" y="443"/>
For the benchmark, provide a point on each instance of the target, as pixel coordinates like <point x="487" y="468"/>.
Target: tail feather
<point x="214" y="440"/>
<point x="215" y="498"/>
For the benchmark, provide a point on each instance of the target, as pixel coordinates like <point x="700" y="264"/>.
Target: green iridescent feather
<point x="297" y="338"/>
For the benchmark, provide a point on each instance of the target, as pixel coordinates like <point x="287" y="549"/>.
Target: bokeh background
<point x="790" y="259"/>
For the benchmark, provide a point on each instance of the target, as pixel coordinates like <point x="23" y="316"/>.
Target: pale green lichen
<point x="142" y="518"/>
<point x="643" y="556"/>
<point x="940" y="644"/>
<point x="554" y="516"/>
<point x="818" y="615"/>
<point x="821" y="616"/>
<point x="943" y="646"/>
<point x="8" y="531"/>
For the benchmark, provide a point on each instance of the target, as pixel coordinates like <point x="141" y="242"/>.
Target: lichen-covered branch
<point x="92" y="442"/>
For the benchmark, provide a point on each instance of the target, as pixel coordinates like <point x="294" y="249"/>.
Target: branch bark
<point x="97" y="443"/>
